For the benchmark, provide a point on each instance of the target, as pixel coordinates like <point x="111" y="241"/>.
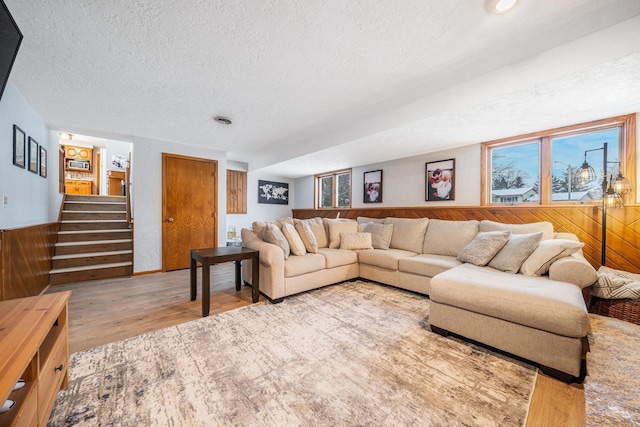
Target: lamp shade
<point x="621" y="185"/>
<point x="585" y="174"/>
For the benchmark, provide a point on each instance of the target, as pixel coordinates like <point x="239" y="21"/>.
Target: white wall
<point x="146" y="177"/>
<point x="28" y="193"/>
<point x="260" y="211"/>
<point x="403" y="181"/>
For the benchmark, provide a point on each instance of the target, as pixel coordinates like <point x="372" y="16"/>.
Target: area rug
<point x="355" y="353"/>
<point x="611" y="386"/>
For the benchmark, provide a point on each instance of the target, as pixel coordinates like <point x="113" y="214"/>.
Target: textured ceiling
<point x="320" y="85"/>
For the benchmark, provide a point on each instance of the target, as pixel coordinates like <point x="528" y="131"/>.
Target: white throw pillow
<point x="307" y="236"/>
<point x="337" y="227"/>
<point x="355" y="241"/>
<point x="515" y="252"/>
<point x="293" y="238"/>
<point x="546" y="253"/>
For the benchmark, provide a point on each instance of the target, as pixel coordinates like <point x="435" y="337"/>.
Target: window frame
<point x="627" y="123"/>
<point x="334" y="181"/>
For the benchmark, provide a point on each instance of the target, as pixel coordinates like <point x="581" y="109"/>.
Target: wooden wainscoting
<point x="25" y="259"/>
<point x="623" y="225"/>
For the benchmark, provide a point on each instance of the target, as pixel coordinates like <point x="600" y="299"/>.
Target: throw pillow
<point x="380" y="234"/>
<point x="483" y="247"/>
<point x="546" y="253"/>
<point x="337" y="227"/>
<point x="317" y="228"/>
<point x="355" y="241"/>
<point x="294" y="240"/>
<point x="515" y="252"/>
<point x="616" y="284"/>
<point x="307" y="236"/>
<point x="272" y="234"/>
<point x="366" y="220"/>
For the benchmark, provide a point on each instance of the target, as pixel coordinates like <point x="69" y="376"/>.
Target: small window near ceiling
<point x="333" y="189"/>
<point x="515" y="173"/>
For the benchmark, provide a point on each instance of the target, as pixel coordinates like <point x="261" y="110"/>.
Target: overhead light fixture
<point x="223" y="120"/>
<point x="66" y="136"/>
<point x="499" y="6"/>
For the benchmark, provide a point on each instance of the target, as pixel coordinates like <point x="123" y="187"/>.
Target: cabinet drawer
<point x="51" y="376"/>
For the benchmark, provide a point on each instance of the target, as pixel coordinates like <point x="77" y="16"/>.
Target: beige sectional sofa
<point x="540" y="316"/>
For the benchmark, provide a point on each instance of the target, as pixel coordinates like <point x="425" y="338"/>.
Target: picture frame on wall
<point x="19" y="147"/>
<point x="33" y="155"/>
<point x="43" y="162"/>
<point x="440" y="180"/>
<point x="274" y="193"/>
<point x="373" y="187"/>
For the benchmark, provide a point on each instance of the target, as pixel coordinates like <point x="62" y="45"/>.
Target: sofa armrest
<point x="271" y="265"/>
<point x="573" y="269"/>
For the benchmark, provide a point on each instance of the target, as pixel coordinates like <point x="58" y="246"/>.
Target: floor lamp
<point x="612" y="190"/>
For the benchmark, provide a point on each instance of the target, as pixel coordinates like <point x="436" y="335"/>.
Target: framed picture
<point x="373" y="187"/>
<point x="33" y="155"/>
<point x="43" y="162"/>
<point x="440" y="183"/>
<point x="19" y="147"/>
<point x="275" y="193"/>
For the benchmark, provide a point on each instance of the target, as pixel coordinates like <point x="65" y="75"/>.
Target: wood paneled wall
<point x="623" y="225"/>
<point x="236" y="192"/>
<point x="25" y="259"/>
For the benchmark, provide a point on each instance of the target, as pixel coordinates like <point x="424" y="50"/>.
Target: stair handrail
<point x="127" y="189"/>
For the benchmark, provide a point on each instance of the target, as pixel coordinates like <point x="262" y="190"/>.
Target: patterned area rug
<point x="611" y="387"/>
<point x="350" y="354"/>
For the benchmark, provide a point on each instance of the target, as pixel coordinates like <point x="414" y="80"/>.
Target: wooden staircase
<point x="94" y="241"/>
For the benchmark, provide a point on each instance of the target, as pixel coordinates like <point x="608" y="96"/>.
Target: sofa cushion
<point x="355" y="241"/>
<point x="317" y="228"/>
<point x="272" y="234"/>
<point x="338" y="257"/>
<point x="448" y="237"/>
<point x="307" y="237"/>
<point x="337" y="227"/>
<point x="544" y="304"/>
<point x="515" y="252"/>
<point x="298" y="265"/>
<point x="293" y="238"/>
<point x="483" y="247"/>
<point x="427" y="264"/>
<point x="547" y="252"/>
<point x="380" y="234"/>
<point x="367" y="220"/>
<point x="384" y="258"/>
<point x="573" y="269"/>
<point x="408" y="233"/>
<point x="534" y="227"/>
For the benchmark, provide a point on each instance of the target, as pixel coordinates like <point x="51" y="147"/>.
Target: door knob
<point x="170" y="220"/>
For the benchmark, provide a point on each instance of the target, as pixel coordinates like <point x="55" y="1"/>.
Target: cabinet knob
<point x="59" y="368"/>
<point x="170" y="220"/>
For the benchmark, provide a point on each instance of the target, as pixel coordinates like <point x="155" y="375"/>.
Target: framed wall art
<point x="275" y="193"/>
<point x="440" y="180"/>
<point x="19" y="147"/>
<point x="43" y="162"/>
<point x="373" y="187"/>
<point x="33" y="155"/>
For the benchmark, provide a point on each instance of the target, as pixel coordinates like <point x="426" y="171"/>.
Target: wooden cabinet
<point x="34" y="347"/>
<point x="79" y="153"/>
<point x="115" y="183"/>
<point x="78" y="186"/>
<point x="236" y="192"/>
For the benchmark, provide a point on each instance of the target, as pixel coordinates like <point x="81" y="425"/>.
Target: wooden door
<point x="189" y="208"/>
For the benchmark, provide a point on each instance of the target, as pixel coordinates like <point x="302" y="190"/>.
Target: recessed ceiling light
<point x="500" y="6"/>
<point x="223" y="120"/>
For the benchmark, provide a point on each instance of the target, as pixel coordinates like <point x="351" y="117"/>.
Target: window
<point x="539" y="168"/>
<point x="333" y="189"/>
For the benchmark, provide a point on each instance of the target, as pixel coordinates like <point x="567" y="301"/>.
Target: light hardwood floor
<point x="108" y="310"/>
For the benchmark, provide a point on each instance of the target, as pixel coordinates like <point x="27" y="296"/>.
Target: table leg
<point x="255" y="277"/>
<point x="194" y="279"/>
<point x="205" y="287"/>
<point x="238" y="275"/>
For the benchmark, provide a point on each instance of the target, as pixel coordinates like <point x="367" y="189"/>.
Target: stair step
<point x="93" y="235"/>
<point x="68" y="225"/>
<point x="67" y="248"/>
<point x="94" y="216"/>
<point x="80" y="274"/>
<point x="93" y="198"/>
<point x="95" y="259"/>
<point x="95" y="206"/>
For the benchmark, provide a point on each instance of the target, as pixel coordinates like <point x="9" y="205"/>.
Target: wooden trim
<point x="334" y="183"/>
<point x="143" y="273"/>
<point x="623" y="233"/>
<point x="26" y="255"/>
<point x="236" y="192"/>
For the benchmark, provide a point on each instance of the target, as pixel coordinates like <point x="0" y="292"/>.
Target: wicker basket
<point x="623" y="309"/>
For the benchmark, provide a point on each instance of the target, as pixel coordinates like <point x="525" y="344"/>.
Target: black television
<point x="10" y="39"/>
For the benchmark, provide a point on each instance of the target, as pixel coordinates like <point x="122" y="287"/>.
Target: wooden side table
<point x="209" y="256"/>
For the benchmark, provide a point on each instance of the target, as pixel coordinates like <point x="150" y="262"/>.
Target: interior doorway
<point x="189" y="208"/>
